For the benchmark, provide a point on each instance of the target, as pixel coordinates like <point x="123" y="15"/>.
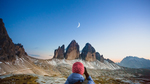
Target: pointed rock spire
<point x="59" y="53"/>
<point x="72" y="51"/>
<point x="88" y="53"/>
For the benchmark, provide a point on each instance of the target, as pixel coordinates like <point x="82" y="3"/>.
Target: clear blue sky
<point x="115" y="28"/>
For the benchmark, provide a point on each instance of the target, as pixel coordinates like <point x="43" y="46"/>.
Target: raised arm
<point x="90" y="81"/>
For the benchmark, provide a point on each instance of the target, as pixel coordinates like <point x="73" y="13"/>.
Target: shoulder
<point x="75" y="77"/>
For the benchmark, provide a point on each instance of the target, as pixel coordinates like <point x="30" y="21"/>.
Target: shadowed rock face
<point x="59" y="53"/>
<point x="97" y="56"/>
<point x="88" y="53"/>
<point x="8" y="50"/>
<point x="7" y="47"/>
<point x="101" y="58"/>
<point x="72" y="51"/>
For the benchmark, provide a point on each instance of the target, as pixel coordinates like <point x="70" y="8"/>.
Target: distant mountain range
<point x="14" y="59"/>
<point x="135" y="62"/>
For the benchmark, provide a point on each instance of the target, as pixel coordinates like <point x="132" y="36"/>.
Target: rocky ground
<point x="126" y="76"/>
<point x="57" y="71"/>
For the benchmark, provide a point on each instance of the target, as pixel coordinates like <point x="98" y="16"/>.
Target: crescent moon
<point x="78" y="25"/>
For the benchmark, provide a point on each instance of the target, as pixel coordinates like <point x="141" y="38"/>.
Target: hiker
<point x="76" y="77"/>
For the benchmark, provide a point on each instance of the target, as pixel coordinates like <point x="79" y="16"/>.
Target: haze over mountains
<point x="135" y="62"/>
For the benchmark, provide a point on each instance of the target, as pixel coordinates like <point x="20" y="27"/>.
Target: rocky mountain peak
<point x="88" y="53"/>
<point x="8" y="50"/>
<point x="135" y="62"/>
<point x="72" y="51"/>
<point x="19" y="50"/>
<point x="73" y="41"/>
<point x="88" y="47"/>
<point x="1" y="21"/>
<point x="3" y="31"/>
<point x="59" y="53"/>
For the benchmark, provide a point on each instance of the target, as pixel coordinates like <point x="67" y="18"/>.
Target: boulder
<point x="72" y="51"/>
<point x="88" y="53"/>
<point x="59" y="53"/>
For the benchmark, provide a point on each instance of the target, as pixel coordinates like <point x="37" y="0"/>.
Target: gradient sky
<point x="115" y="28"/>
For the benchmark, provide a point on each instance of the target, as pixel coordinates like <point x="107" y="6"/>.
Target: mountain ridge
<point x="135" y="62"/>
<point x="8" y="50"/>
<point x="17" y="62"/>
<point x="88" y="53"/>
<point x="14" y="59"/>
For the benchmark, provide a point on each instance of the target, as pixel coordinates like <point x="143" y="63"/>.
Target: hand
<point x="86" y="73"/>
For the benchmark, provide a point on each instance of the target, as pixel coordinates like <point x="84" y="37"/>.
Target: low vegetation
<point x="19" y="79"/>
<point x="126" y="76"/>
<point x="104" y="80"/>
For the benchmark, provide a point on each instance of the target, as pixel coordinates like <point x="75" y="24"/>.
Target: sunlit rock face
<point x="88" y="53"/>
<point x="72" y="51"/>
<point x="8" y="50"/>
<point x="59" y="53"/>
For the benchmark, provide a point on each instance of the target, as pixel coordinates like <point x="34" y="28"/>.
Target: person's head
<point x="78" y="67"/>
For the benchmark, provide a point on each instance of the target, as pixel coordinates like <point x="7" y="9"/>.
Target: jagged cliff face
<point x="8" y="50"/>
<point x="19" y="50"/>
<point x="59" y="53"/>
<point x="97" y="56"/>
<point x="72" y="51"/>
<point x="101" y="58"/>
<point x="88" y="53"/>
<point x="7" y="47"/>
